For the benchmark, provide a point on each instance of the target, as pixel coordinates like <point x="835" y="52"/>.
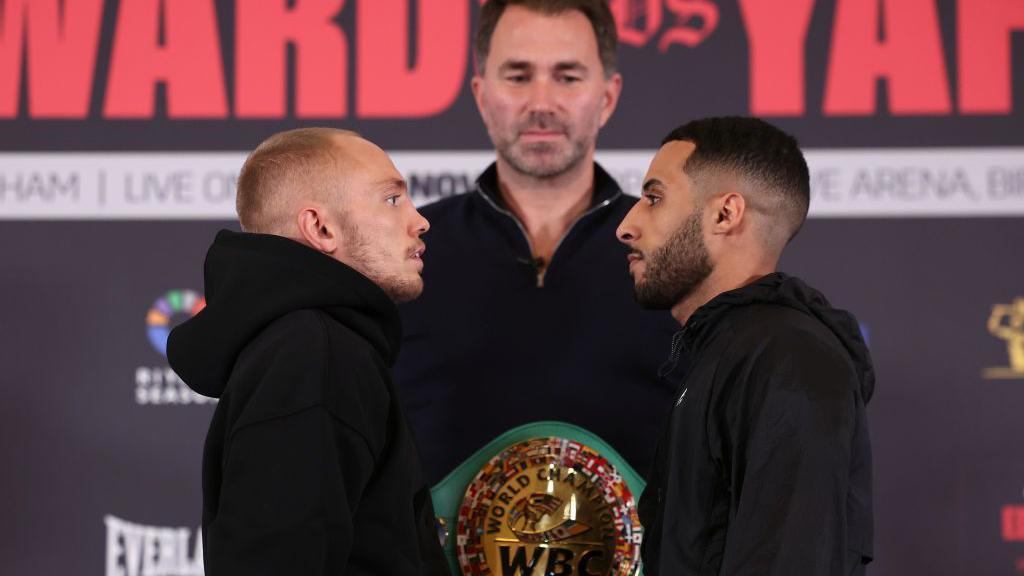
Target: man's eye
<point x="652" y="199"/>
<point x="570" y="79"/>
<point x="517" y="78"/>
<point x="393" y="200"/>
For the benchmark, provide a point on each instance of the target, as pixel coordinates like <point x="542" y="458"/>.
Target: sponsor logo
<point x="159" y="385"/>
<point x="1013" y="530"/>
<point x="1013" y="524"/>
<point x="681" y="396"/>
<point x="1007" y="324"/>
<point x="548" y="506"/>
<point x="139" y="550"/>
<point x="865" y="333"/>
<point x="175" y="303"/>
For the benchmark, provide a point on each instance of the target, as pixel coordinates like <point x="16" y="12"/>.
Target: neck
<point x="720" y="280"/>
<point x="547" y="207"/>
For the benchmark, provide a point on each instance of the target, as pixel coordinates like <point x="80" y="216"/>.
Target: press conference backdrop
<point x="123" y="125"/>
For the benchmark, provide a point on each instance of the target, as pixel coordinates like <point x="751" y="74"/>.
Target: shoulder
<point x="449" y="208"/>
<point x="295" y="329"/>
<point x="305" y="359"/>
<point x="779" y="344"/>
<point x="281" y="370"/>
<point x="292" y="339"/>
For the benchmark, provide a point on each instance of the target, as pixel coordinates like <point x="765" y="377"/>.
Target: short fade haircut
<point x="596" y="11"/>
<point x="280" y="165"/>
<point x="765" y="158"/>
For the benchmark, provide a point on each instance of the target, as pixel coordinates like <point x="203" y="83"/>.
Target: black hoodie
<point x="309" y="466"/>
<point x="764" y="467"/>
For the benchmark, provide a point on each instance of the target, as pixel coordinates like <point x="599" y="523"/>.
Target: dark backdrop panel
<point x="946" y="440"/>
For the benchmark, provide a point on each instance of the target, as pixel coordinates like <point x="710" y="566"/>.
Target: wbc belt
<point x="546" y="498"/>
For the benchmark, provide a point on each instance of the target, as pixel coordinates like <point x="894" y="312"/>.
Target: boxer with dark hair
<point x="764" y="467"/>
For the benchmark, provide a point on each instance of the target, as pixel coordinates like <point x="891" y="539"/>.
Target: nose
<point x="627" y="231"/>
<point x="541" y="96"/>
<point x="420" y="224"/>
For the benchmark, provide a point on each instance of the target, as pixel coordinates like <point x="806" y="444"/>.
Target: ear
<point x="729" y="211"/>
<point x="477" y="85"/>
<point x="612" y="90"/>
<point x="318" y="230"/>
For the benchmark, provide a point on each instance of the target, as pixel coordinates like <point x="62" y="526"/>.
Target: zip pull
<point x="673" y="357"/>
<point x="539" y="269"/>
<point x="537" y="265"/>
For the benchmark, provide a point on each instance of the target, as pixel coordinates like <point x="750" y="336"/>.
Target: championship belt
<point x="546" y="498"/>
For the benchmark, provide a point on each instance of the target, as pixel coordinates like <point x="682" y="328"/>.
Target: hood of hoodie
<point x="784" y="290"/>
<point x="252" y="280"/>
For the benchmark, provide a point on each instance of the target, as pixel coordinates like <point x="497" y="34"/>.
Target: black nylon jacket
<point x="309" y="466"/>
<point x="765" y="465"/>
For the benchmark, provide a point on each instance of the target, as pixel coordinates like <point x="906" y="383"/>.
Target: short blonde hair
<point x="295" y="161"/>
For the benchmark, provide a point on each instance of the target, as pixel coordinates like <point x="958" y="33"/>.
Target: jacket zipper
<point x="522" y="229"/>
<point x="673" y="356"/>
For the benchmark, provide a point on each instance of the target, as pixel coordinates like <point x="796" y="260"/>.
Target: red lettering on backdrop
<point x="776" y="36"/>
<point x="188" y="60"/>
<point x="639" y="21"/>
<point x="910" y="58"/>
<point x="263" y="30"/>
<point x="684" y="32"/>
<point x="62" y="40"/>
<point x="1013" y="523"/>
<point x="388" y="86"/>
<point x="984" y="54"/>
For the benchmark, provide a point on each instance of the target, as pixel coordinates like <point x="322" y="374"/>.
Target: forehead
<point x="364" y="167"/>
<point x="525" y="35"/>
<point x="360" y="157"/>
<point x="667" y="165"/>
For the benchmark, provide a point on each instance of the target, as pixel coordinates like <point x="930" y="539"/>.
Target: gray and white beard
<point x="544" y="160"/>
<point x="677" y="268"/>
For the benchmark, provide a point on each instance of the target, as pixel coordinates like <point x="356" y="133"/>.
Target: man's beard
<point x="366" y="260"/>
<point x="677" y="268"/>
<point x="544" y="160"/>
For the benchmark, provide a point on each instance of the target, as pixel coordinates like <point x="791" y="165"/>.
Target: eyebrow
<point x="572" y="65"/>
<point x="392" y="184"/>
<point x="652" y="183"/>
<point x="521" y="65"/>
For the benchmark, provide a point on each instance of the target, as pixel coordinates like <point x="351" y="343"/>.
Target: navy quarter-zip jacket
<point x="488" y="346"/>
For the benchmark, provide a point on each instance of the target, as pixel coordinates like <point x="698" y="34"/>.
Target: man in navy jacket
<point x="527" y="312"/>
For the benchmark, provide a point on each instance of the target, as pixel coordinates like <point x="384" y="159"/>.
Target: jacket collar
<point x="606" y="189"/>
<point x="779" y="289"/>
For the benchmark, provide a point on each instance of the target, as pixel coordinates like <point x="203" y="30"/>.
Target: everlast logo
<point x="549" y="507"/>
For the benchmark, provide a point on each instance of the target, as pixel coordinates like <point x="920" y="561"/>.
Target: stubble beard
<point x="545" y="160"/>
<point x="677" y="268"/>
<point x="366" y="259"/>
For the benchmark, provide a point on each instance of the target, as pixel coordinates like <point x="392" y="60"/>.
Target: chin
<point x="405" y="291"/>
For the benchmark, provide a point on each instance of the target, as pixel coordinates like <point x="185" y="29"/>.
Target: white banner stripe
<point x="854" y="183"/>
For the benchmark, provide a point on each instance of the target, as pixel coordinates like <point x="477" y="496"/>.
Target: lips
<point x="543" y="127"/>
<point x="417" y="252"/>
